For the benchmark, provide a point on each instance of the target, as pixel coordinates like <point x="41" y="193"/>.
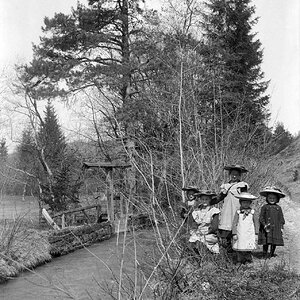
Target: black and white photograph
<point x="149" y="149"/>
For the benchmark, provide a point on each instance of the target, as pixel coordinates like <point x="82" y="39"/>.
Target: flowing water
<point x="80" y="274"/>
<point x="77" y="275"/>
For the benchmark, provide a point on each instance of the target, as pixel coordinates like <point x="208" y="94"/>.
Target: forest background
<point x="183" y="86"/>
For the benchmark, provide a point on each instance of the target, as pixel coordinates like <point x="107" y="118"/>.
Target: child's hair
<point x="245" y="200"/>
<point x="239" y="171"/>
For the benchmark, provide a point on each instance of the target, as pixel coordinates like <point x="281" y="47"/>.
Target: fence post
<point x="110" y="194"/>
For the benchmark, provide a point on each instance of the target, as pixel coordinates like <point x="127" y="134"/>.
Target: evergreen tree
<point x="51" y="139"/>
<point x="232" y="57"/>
<point x="281" y="138"/>
<point x="49" y="151"/>
<point x="28" y="162"/>
<point x="60" y="188"/>
<point x="91" y="49"/>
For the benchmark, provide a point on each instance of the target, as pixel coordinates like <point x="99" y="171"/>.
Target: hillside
<point x="286" y="163"/>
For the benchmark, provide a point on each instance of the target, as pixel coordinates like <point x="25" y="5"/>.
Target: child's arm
<point x="221" y="196"/>
<point x="218" y="199"/>
<point x="214" y="224"/>
<point x="235" y="223"/>
<point x="185" y="210"/>
<point x="282" y="221"/>
<point x="256" y="222"/>
<point x="262" y="216"/>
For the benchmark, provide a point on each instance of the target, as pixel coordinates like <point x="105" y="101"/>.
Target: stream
<point x="77" y="275"/>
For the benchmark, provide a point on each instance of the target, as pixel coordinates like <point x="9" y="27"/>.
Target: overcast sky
<point x="278" y="30"/>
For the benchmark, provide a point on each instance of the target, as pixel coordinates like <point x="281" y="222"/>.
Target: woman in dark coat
<point x="271" y="221"/>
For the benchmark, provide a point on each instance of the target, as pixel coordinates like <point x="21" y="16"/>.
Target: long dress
<point x="203" y="217"/>
<point x="272" y="214"/>
<point x="245" y="226"/>
<point x="231" y="203"/>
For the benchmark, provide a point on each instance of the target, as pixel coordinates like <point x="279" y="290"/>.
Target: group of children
<point x="237" y="226"/>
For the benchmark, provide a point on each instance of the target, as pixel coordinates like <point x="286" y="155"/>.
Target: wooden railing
<point x="68" y="217"/>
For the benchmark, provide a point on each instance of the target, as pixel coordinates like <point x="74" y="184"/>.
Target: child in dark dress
<point x="187" y="207"/>
<point x="271" y="221"/>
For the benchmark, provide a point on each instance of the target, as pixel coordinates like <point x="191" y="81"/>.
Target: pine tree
<point x="91" y="49"/>
<point x="51" y="139"/>
<point x="28" y="162"/>
<point x="280" y="139"/>
<point x="232" y="57"/>
<point x="61" y="186"/>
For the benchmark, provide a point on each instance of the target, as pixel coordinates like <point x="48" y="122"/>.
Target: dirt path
<point x="291" y="250"/>
<point x="74" y="276"/>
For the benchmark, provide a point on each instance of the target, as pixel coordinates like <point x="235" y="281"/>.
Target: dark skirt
<point x="273" y="237"/>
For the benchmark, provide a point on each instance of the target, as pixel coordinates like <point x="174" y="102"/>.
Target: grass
<point x="21" y="248"/>
<point x="208" y="276"/>
<point x="164" y="268"/>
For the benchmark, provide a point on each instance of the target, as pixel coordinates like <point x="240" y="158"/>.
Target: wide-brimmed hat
<point x="206" y="193"/>
<point x="240" y="168"/>
<point x="191" y="188"/>
<point x="272" y="189"/>
<point x="246" y="196"/>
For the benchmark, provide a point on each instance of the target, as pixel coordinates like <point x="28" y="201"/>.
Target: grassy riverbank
<point x="21" y="248"/>
<point x="163" y="265"/>
<point x="181" y="274"/>
<point x="172" y="276"/>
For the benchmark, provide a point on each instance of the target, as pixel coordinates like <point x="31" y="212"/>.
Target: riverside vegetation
<point x="178" y="95"/>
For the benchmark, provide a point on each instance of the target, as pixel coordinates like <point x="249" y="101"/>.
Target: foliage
<point x="232" y="59"/>
<point x="60" y="186"/>
<point x="27" y="162"/>
<point x="280" y="139"/>
<point x="190" y="102"/>
<point x="51" y="138"/>
<point x="50" y="168"/>
<point x="89" y="50"/>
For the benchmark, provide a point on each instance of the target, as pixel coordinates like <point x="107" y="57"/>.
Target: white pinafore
<point x="245" y="233"/>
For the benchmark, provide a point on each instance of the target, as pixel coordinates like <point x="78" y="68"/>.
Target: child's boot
<point x="273" y="247"/>
<point x="265" y="251"/>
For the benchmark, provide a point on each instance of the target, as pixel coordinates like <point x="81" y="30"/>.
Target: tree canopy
<point x="193" y="92"/>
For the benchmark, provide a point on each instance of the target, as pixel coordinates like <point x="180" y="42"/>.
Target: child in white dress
<point x="245" y="228"/>
<point x="228" y="194"/>
<point x="206" y="217"/>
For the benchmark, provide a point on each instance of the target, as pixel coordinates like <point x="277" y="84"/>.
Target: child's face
<point x="204" y="200"/>
<point x="235" y="175"/>
<point x="245" y="204"/>
<point x="272" y="198"/>
<point x="191" y="195"/>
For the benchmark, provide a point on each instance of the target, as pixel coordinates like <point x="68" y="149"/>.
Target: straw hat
<point x="272" y="189"/>
<point x="240" y="168"/>
<point x="246" y="196"/>
<point x="206" y="193"/>
<point x="191" y="188"/>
